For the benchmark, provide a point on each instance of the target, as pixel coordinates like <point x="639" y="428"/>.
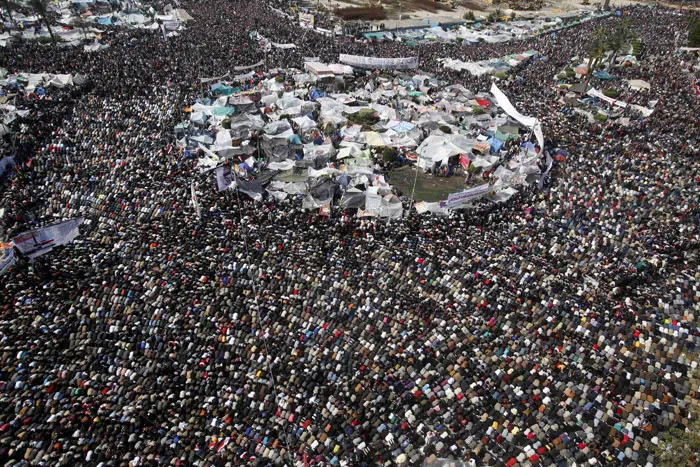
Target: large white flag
<point x="530" y="122"/>
<point x="195" y="202"/>
<point x="37" y="242"/>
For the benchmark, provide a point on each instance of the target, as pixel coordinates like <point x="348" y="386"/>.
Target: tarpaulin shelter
<point x="639" y="85"/>
<point x="579" y="88"/>
<point x="439" y="148"/>
<point x="319" y="70"/>
<point x="603" y="75"/>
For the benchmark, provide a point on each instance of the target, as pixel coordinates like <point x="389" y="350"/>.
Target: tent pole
<point x="413" y="192"/>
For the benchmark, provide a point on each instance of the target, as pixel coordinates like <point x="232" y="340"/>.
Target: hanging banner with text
<point x="358" y="61"/>
<point x="457" y="199"/>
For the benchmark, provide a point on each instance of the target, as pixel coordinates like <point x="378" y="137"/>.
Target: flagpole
<point x="413" y="192"/>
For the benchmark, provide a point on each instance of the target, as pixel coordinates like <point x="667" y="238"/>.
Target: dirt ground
<point x="416" y="12"/>
<point x="428" y="187"/>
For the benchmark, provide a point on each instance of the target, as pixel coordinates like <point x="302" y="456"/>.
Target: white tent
<point x="439" y="148"/>
<point x="639" y="84"/>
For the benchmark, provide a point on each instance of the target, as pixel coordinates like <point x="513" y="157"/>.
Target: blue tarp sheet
<point x="603" y="75"/>
<point x="496" y="145"/>
<point x="403" y="127"/>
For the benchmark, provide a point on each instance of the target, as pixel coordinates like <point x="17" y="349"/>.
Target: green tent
<point x="220" y="111"/>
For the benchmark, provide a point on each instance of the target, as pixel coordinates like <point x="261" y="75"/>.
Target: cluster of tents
<point x="495" y="65"/>
<point x="37" y="83"/>
<point x="477" y="32"/>
<point x="83" y="21"/>
<point x="577" y="91"/>
<point x="287" y="139"/>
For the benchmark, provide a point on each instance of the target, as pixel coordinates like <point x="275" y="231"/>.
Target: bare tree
<point x="40" y="8"/>
<point x="82" y="24"/>
<point x="9" y="6"/>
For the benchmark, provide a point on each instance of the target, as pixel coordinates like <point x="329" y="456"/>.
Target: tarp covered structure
<point x="358" y="61"/>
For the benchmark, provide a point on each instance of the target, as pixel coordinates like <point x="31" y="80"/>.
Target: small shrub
<point x="561" y="76"/>
<point x="600" y="118"/>
<point x="389" y="155"/>
<point x="478" y="110"/>
<point x="501" y="75"/>
<point x="279" y="79"/>
<point x="610" y="93"/>
<point x="364" y="117"/>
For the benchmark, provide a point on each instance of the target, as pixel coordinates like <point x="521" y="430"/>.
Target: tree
<point x="40" y="8"/>
<point x="9" y="6"/>
<point x="681" y="447"/>
<point x="694" y="33"/>
<point x="619" y="39"/>
<point x="596" y="50"/>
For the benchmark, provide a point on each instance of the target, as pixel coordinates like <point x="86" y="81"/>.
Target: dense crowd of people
<point x="558" y="327"/>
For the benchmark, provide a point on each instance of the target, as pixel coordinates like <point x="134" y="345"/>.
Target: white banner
<point x="283" y="46"/>
<point x="530" y="122"/>
<point x="249" y="67"/>
<point x="218" y="78"/>
<point x="358" y="61"/>
<point x="312" y="59"/>
<point x="37" y="242"/>
<point x="595" y="93"/>
<point x="456" y="199"/>
<point x="280" y="13"/>
<point x="195" y="203"/>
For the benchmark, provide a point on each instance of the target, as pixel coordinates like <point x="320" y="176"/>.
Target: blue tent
<point x="528" y="145"/>
<point x="496" y="145"/>
<point x="603" y="75"/>
<point x="315" y="94"/>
